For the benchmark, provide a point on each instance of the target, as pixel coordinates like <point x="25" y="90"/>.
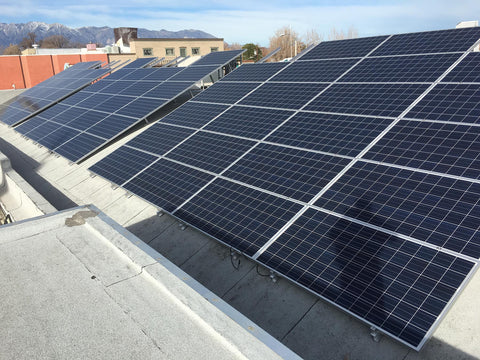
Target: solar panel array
<point x="52" y="90"/>
<point x="352" y="171"/>
<point x="86" y="121"/>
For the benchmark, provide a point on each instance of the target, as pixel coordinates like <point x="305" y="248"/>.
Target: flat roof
<point x="75" y="284"/>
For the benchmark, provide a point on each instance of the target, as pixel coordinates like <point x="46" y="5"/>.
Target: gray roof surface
<point x="77" y="285"/>
<point x="309" y="326"/>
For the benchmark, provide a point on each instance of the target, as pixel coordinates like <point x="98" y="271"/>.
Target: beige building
<point x="172" y="48"/>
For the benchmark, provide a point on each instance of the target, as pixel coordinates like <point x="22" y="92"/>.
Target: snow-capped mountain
<point x="14" y="33"/>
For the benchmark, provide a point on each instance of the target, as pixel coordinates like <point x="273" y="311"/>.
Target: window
<point x="183" y="52"/>
<point x="195" y="51"/>
<point x="147" y="51"/>
<point x="214" y="49"/>
<point x="169" y="51"/>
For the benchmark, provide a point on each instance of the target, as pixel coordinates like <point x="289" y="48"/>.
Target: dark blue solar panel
<point x="283" y="95"/>
<point x="193" y="114"/>
<point x="430" y="42"/>
<point x="218" y="58"/>
<point x="448" y="102"/>
<point x="255" y="72"/>
<point x="168" y="90"/>
<point x="211" y="152"/>
<point x="58" y="137"/>
<point x="44" y="94"/>
<point x="397" y="285"/>
<point x="338" y="134"/>
<point x="466" y="71"/>
<point x="139" y="63"/>
<point x="311" y="71"/>
<point x="122" y="164"/>
<point x="253" y="123"/>
<point x="167" y="184"/>
<point x="111" y="125"/>
<point x="440" y="147"/>
<point x="418" y="68"/>
<point x="343" y="48"/>
<point x="237" y="215"/>
<point x="225" y="92"/>
<point x="367" y="99"/>
<point x="194" y="73"/>
<point x="442" y="211"/>
<point x="79" y="146"/>
<point x="290" y="172"/>
<point x="140" y="107"/>
<point x="160" y="138"/>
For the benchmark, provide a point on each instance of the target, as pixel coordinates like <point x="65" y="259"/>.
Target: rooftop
<point x="310" y="327"/>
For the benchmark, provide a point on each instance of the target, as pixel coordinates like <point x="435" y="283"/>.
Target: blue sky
<point x="248" y="20"/>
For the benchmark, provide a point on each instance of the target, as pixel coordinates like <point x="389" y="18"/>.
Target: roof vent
<point x="467" y="24"/>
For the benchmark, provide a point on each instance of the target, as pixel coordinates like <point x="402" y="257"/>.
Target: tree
<point x="28" y="41"/>
<point x="232" y="46"/>
<point x="253" y="52"/>
<point x="311" y="37"/>
<point x="286" y="39"/>
<point x="55" y="42"/>
<point x="340" y="35"/>
<point x="12" y="50"/>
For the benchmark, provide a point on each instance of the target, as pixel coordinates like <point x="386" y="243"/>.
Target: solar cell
<point x="290" y="172"/>
<point x="236" y="215"/>
<point x="225" y="92"/>
<point x="418" y="68"/>
<point x="396" y="285"/>
<point x="349" y="48"/>
<point x="193" y="114"/>
<point x="367" y="99"/>
<point x="167" y="184"/>
<point x="257" y="72"/>
<point x="283" y="95"/>
<point x="139" y="63"/>
<point x="453" y="40"/>
<point x="336" y="134"/>
<point x="254" y="123"/>
<point x="450" y="102"/>
<point x="123" y="164"/>
<point x="438" y="210"/>
<point x="160" y="138"/>
<point x="219" y="58"/>
<point x="440" y="147"/>
<point x="466" y="70"/>
<point x="315" y="71"/>
<point x="211" y="152"/>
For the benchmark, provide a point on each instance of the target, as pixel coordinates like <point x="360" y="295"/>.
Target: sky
<point x="248" y="21"/>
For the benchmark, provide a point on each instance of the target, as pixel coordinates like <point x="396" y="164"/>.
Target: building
<point x="172" y="48"/>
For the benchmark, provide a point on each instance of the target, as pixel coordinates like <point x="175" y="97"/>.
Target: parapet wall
<point x="26" y="71"/>
<point x="19" y="198"/>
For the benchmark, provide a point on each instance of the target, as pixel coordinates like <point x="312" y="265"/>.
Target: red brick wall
<point x="11" y="73"/>
<point x="29" y="70"/>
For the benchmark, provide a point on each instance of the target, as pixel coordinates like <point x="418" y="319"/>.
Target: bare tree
<point x="335" y="34"/>
<point x="12" y="50"/>
<point x="286" y="39"/>
<point x="28" y="41"/>
<point x="312" y="37"/>
<point x="232" y="46"/>
<point x="55" y="42"/>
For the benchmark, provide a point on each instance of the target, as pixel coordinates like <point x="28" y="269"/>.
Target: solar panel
<point x="139" y="63"/>
<point x="466" y="71"/>
<point x="352" y="171"/>
<point x="112" y="106"/>
<point x="50" y="91"/>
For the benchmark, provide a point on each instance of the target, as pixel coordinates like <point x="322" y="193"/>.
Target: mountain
<point x="14" y="33"/>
